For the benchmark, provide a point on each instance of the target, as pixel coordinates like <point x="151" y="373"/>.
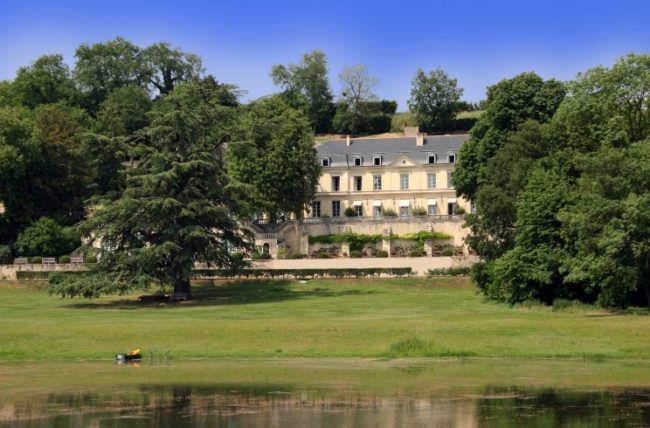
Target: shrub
<point x="6" y="254"/>
<point x="45" y="236"/>
<point x="458" y="210"/>
<point x="411" y="347"/>
<point x="350" y="212"/>
<point x="36" y="260"/>
<point x="64" y="259"/>
<point x="382" y="253"/>
<point x="26" y="275"/>
<point x="448" y="251"/>
<point x="283" y="253"/>
<point x="561" y="304"/>
<point x="295" y="256"/>
<point x="323" y="255"/>
<point x="452" y="271"/>
<point x="389" y="213"/>
<point x="418" y="211"/>
<point x="91" y="258"/>
<point x="355" y="254"/>
<point x="417" y="253"/>
<point x="400" y="120"/>
<point x="260" y="256"/>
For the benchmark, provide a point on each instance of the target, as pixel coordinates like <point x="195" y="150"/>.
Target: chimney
<point x="347" y="140"/>
<point x="419" y="139"/>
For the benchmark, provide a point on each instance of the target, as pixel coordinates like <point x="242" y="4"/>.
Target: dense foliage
<point x="176" y="208"/>
<point x="275" y="158"/>
<point x="434" y="99"/>
<point x="306" y="86"/>
<point x="561" y="187"/>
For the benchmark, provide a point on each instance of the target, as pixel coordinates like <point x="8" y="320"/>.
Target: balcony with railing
<point x="387" y="219"/>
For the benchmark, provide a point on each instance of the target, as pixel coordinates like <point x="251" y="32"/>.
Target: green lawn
<point x="322" y="318"/>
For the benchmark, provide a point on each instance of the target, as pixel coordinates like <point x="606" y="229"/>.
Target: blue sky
<point x="477" y="42"/>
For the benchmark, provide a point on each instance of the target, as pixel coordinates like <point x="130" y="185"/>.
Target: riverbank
<point x="374" y="318"/>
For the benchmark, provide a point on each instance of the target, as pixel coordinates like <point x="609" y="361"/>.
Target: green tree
<point x="47" y="80"/>
<point x="104" y="67"/>
<point x="276" y="157"/>
<point x="20" y="159"/>
<point x="167" y="67"/>
<point x="124" y="112"/>
<point x="434" y="99"/>
<point x="306" y="86"/>
<point x="608" y="224"/>
<point x="580" y="187"/>
<point x="509" y="103"/>
<point x="177" y="208"/>
<point x="45" y="237"/>
<point x="8" y="97"/>
<point x="532" y="268"/>
<point x="60" y="184"/>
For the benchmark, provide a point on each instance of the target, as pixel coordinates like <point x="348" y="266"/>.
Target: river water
<point x="327" y="393"/>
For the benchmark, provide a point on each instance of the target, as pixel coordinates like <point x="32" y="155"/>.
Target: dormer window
<point x="376" y="161"/>
<point x="357" y="161"/>
<point x="451" y="157"/>
<point x="325" y="162"/>
<point x="432" y="158"/>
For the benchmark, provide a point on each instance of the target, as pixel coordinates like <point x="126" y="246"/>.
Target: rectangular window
<point x="376" y="182"/>
<point x="376" y="211"/>
<point x="357" y="183"/>
<point x="359" y="210"/>
<point x="376" y="161"/>
<point x="315" y="209"/>
<point x="336" y="208"/>
<point x="432" y="158"/>
<point x="336" y="184"/>
<point x="431" y="180"/>
<point x="450" y="183"/>
<point x="451" y="207"/>
<point x="325" y="162"/>
<point x="431" y="210"/>
<point x="404" y="211"/>
<point x="452" y="158"/>
<point x="404" y="181"/>
<point x="357" y="161"/>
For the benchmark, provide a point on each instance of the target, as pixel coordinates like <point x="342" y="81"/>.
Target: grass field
<point x="393" y="318"/>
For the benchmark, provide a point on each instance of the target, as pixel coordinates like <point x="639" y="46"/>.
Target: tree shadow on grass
<point x="229" y="294"/>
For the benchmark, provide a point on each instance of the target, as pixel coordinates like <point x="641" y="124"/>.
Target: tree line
<point x="559" y="174"/>
<point x="140" y="150"/>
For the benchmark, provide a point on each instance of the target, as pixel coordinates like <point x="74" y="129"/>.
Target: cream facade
<point x="409" y="175"/>
<point x="398" y="174"/>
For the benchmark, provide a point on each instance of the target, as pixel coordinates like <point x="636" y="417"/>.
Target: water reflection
<point x="279" y="405"/>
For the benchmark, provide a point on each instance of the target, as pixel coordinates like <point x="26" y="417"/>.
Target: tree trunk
<point x="183" y="286"/>
<point x="647" y="293"/>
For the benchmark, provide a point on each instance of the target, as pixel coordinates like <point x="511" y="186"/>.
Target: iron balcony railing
<point x="387" y="219"/>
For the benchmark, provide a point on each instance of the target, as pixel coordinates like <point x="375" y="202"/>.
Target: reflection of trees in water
<point x="268" y="405"/>
<point x="510" y="407"/>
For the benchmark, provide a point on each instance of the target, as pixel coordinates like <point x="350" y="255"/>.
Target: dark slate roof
<point x="390" y="149"/>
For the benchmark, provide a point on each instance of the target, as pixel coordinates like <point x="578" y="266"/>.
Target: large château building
<point x="376" y="176"/>
<point x="396" y="185"/>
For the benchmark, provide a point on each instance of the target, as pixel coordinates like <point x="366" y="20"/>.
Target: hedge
<point x="28" y="275"/>
<point x="300" y="273"/>
<point x="452" y="271"/>
<point x="255" y="273"/>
